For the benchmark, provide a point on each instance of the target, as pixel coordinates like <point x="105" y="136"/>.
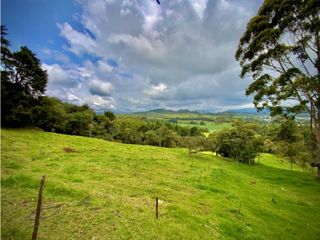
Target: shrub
<point x="241" y="143"/>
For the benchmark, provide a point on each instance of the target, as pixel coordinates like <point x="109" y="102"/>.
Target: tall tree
<point x="22" y="82"/>
<point x="28" y="72"/>
<point x="6" y="54"/>
<point x="280" y="49"/>
<point x="290" y="142"/>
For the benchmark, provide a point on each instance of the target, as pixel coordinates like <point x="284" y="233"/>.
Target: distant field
<point x="213" y="122"/>
<point x="211" y="126"/>
<point x="102" y="190"/>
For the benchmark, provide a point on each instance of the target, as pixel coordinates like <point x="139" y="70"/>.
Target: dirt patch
<point x="68" y="150"/>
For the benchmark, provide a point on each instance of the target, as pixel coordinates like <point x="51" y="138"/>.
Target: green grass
<point x="277" y="162"/>
<point x="107" y="190"/>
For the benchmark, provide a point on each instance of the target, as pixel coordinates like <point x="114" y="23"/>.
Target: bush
<point x="194" y="144"/>
<point x="241" y="143"/>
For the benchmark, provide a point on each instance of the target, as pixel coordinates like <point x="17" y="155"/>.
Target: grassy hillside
<point x="101" y="190"/>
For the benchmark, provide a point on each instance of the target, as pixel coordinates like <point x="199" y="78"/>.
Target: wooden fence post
<point x="157" y="213"/>
<point x="39" y="205"/>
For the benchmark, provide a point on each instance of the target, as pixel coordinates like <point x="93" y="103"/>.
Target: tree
<point x="103" y="127"/>
<point x="241" y="143"/>
<point x="167" y="137"/>
<point x="28" y="72"/>
<point x="6" y="54"/>
<point x="290" y="142"/>
<point x="78" y="123"/>
<point x="22" y="82"/>
<point x="281" y="50"/>
<point x="48" y="114"/>
<point x="194" y="144"/>
<point x="210" y="143"/>
<point x="152" y="138"/>
<point x="110" y="115"/>
<point x="195" y="131"/>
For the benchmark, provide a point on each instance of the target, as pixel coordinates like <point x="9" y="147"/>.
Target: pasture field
<point x="211" y="126"/>
<point x="102" y="190"/>
<point x="212" y="122"/>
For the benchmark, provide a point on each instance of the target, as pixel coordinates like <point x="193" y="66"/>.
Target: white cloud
<point x="100" y="103"/>
<point x="199" y="6"/>
<point x="178" y="54"/>
<point x="103" y="67"/>
<point x="79" y="42"/>
<point x="73" y="98"/>
<point x="156" y="89"/>
<point x="139" y="45"/>
<point x="100" y="88"/>
<point x="55" y="55"/>
<point x="56" y="73"/>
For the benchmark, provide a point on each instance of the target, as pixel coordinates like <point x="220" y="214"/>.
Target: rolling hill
<point x="103" y="190"/>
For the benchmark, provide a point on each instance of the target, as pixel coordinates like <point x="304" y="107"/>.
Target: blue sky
<point x="134" y="55"/>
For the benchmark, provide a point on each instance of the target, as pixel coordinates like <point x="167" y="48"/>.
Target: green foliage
<point x="289" y="132"/>
<point x="49" y="114"/>
<point x="168" y="138"/>
<point x="290" y="143"/>
<point x="78" y="123"/>
<point x="265" y="50"/>
<point x="194" y="144"/>
<point x="110" y="115"/>
<point x="6" y="54"/>
<point x="28" y="73"/>
<point x="210" y="143"/>
<point x="241" y="143"/>
<point x="152" y="138"/>
<point x="22" y="82"/>
<point x="281" y="50"/>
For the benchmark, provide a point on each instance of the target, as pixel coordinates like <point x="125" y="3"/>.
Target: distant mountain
<point x="241" y="111"/>
<point x="186" y="111"/>
<point x="167" y="111"/>
<point x="245" y="111"/>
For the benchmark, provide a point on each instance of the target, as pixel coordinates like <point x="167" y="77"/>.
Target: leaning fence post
<point x="157" y="213"/>
<point x="37" y="218"/>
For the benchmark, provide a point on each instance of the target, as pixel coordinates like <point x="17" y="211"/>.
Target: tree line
<point x="246" y="140"/>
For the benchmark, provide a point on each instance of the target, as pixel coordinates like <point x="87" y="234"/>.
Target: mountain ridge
<point x="187" y="111"/>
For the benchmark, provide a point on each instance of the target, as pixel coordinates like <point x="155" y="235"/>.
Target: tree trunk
<point x="315" y="125"/>
<point x="317" y="139"/>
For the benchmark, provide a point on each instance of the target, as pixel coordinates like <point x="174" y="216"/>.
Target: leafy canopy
<point x="280" y="49"/>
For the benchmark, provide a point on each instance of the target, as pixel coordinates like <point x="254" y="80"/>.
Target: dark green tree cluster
<point x="156" y="133"/>
<point x="242" y="143"/>
<point x="53" y="115"/>
<point x="289" y="140"/>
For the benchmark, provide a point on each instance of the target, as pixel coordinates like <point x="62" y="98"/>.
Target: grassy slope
<point x="106" y="191"/>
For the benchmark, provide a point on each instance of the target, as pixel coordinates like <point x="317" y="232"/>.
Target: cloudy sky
<point x="135" y="55"/>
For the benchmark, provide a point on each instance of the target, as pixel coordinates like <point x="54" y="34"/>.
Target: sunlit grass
<point x="105" y="190"/>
